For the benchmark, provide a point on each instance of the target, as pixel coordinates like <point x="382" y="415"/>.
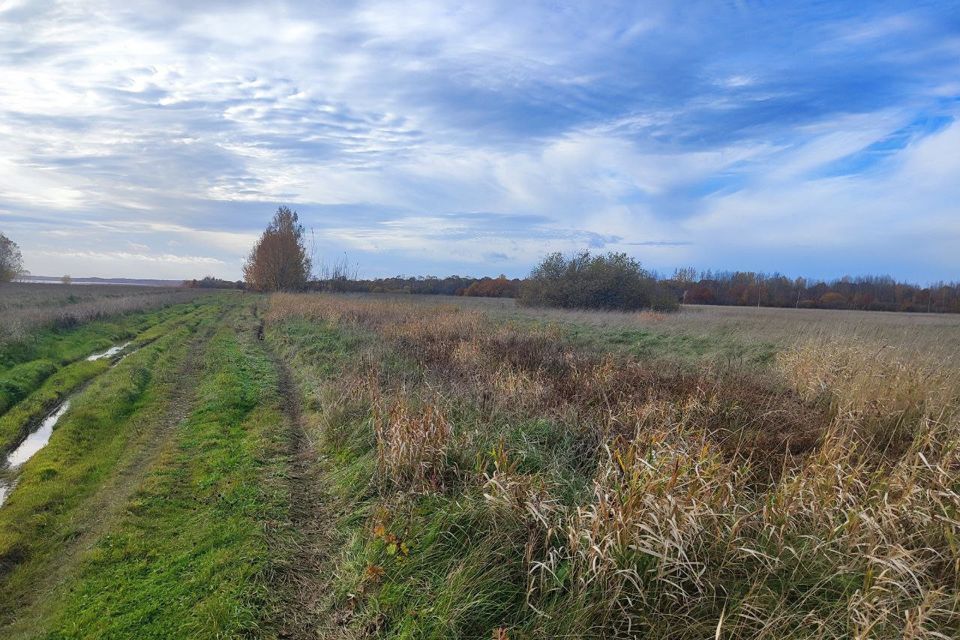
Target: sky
<point x="156" y="139"/>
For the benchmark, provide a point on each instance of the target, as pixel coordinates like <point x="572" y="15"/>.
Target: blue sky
<point x="155" y="139"/>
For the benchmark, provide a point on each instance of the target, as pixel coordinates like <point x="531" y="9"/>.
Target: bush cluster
<point x="612" y="281"/>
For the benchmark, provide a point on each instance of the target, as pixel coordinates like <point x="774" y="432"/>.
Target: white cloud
<point x="171" y="125"/>
<point x="125" y="256"/>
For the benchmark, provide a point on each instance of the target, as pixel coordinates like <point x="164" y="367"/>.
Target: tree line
<point x="279" y="261"/>
<point x="499" y="287"/>
<point x="612" y="281"/>
<point x="868" y="293"/>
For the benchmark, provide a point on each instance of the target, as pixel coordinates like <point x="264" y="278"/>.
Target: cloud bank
<point x="154" y="139"/>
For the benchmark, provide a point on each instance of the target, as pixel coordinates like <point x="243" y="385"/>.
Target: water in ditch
<point x="39" y="438"/>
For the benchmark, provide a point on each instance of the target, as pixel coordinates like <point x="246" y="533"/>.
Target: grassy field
<point x="711" y="332"/>
<point x="303" y="466"/>
<point x="26" y="308"/>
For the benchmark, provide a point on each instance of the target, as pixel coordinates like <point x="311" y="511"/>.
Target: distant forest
<point x="735" y="288"/>
<point x="500" y="287"/>
<point x="871" y="293"/>
<point x="279" y="262"/>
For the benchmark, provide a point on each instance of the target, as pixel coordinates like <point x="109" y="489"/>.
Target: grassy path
<point x="196" y="546"/>
<point x="104" y="507"/>
<point x="30" y="397"/>
<point x="24" y="365"/>
<point x="181" y="499"/>
<point x="304" y="580"/>
<point x="48" y="510"/>
<point x="111" y="424"/>
<point x="325" y="480"/>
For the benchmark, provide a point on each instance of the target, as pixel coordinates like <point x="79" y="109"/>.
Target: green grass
<point x="62" y="346"/>
<point x="691" y="348"/>
<point x="18" y="381"/>
<point x="451" y="567"/>
<point x="38" y="394"/>
<point x="416" y="566"/>
<point x="26" y="414"/>
<point x="25" y="365"/>
<point x="190" y="557"/>
<point x="46" y="510"/>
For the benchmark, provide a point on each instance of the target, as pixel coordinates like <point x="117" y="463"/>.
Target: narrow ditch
<point x="38" y="438"/>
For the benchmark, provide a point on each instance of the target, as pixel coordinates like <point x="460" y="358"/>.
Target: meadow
<point x="353" y="466"/>
<point x="28" y="307"/>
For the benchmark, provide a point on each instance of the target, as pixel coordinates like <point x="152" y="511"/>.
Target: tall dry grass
<point x="412" y="441"/>
<point x="25" y="308"/>
<point x="932" y="335"/>
<point x="818" y="498"/>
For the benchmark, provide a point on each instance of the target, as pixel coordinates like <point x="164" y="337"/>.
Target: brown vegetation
<point x="870" y="293"/>
<point x="279" y="261"/>
<point x="817" y="498"/>
<point x="28" y="307"/>
<point x="499" y="287"/>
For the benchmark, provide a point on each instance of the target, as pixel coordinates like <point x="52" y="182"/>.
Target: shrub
<point x="833" y="300"/>
<point x="613" y="281"/>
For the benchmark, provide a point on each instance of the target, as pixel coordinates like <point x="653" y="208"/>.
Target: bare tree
<point x="337" y="276"/>
<point x="11" y="261"/>
<point x="66" y="279"/>
<point x="279" y="260"/>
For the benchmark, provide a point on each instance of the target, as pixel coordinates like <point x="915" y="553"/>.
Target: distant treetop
<point x="279" y="261"/>
<point x="11" y="260"/>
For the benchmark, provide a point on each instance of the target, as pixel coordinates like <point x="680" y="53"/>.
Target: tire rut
<point x="111" y="498"/>
<point x="303" y="581"/>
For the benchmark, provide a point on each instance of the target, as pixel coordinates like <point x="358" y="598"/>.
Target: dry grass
<point x="872" y="385"/>
<point x="932" y="335"/>
<point x="412" y="443"/>
<point x="816" y="498"/>
<point x="25" y="308"/>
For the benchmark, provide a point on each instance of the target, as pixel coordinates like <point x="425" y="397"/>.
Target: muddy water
<point x="34" y="442"/>
<point x="39" y="438"/>
<point x="109" y="353"/>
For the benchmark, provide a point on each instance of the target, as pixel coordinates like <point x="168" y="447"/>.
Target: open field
<point x="27" y="307"/>
<point x="728" y="333"/>
<point x="302" y="466"/>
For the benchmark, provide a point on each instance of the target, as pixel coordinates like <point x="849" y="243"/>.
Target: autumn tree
<point x="11" y="261"/>
<point x="499" y="287"/>
<point x="279" y="260"/>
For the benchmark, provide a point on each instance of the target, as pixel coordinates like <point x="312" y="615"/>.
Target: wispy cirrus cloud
<point x="806" y="139"/>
